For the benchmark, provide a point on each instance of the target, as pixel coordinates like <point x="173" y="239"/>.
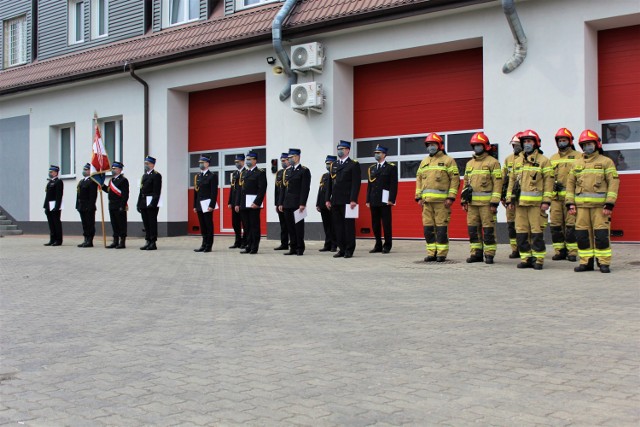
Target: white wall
<point x="556" y="86"/>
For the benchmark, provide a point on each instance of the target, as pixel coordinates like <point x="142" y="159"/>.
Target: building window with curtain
<point x="76" y="21"/>
<point x="99" y="18"/>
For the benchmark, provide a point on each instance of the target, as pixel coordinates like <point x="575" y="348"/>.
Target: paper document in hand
<point x="385" y="196"/>
<point x="204" y="204"/>
<point x="250" y="198"/>
<point x="351" y="213"/>
<point x="149" y="199"/>
<point x="52" y="204"/>
<point x="299" y="216"/>
<point x="160" y="202"/>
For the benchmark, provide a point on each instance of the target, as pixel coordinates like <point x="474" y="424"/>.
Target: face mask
<point x="340" y="153"/>
<point x="328" y="167"/>
<point x="238" y="166"/>
<point x="291" y="161"/>
<point x="432" y="150"/>
<point x="202" y="166"/>
<point x="517" y="149"/>
<point x="85" y="173"/>
<point x="528" y="148"/>
<point x="147" y="168"/>
<point x="478" y="149"/>
<point x="249" y="163"/>
<point x="50" y="175"/>
<point x="377" y="156"/>
<point x="563" y="145"/>
<point x="589" y="149"/>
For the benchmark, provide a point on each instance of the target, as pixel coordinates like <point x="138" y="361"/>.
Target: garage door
<point x="619" y="114"/>
<point x="221" y="124"/>
<point x="397" y="104"/>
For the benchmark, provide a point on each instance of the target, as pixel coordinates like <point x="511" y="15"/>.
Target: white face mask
<point x="589" y="148"/>
<point x="341" y="153"/>
<point x="249" y="163"/>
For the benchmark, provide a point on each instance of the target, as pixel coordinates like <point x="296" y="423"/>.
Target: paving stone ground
<point x="90" y="337"/>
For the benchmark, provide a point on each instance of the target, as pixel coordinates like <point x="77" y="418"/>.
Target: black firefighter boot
<point x="562" y="254"/>
<point x="121" y="245"/>
<point x="477" y="257"/>
<point x="115" y="243"/>
<point x="584" y="267"/>
<point x="89" y="243"/>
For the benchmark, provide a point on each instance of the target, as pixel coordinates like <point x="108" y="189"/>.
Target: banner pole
<point x="104" y="236"/>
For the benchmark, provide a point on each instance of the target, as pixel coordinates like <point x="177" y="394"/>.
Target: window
<point x="223" y="162"/>
<point x="408" y="151"/>
<point x="99" y="18"/>
<point x="15" y="41"/>
<point x="67" y="151"/>
<point x="177" y="12"/>
<point x="621" y="142"/>
<point x="112" y="137"/>
<point x="243" y="4"/>
<point x="76" y="21"/>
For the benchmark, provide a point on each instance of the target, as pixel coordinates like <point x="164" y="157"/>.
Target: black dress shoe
<point x="152" y="247"/>
<point x="348" y="255"/>
<point x="207" y="249"/>
<point x="324" y="250"/>
<point x="300" y="253"/>
<point x="234" y="246"/>
<point x="49" y="243"/>
<point x="339" y="255"/>
<point x="253" y="252"/>
<point x="281" y="248"/>
<point x="386" y="250"/>
<point x="56" y="244"/>
<point x="375" y="250"/>
<point x="200" y="249"/>
<point x="245" y="251"/>
<point x="334" y="249"/>
<point x="290" y="253"/>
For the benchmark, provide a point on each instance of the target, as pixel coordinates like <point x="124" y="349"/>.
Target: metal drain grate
<point x="437" y="263"/>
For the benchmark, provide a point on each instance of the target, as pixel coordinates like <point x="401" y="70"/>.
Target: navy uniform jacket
<point x="297" y="184"/>
<point x="324" y="183"/>
<point x="150" y="185"/>
<point x="234" y="190"/>
<point x="385" y="178"/>
<point x="53" y="192"/>
<point x="205" y="187"/>
<point x="87" y="195"/>
<point x="252" y="182"/>
<point x="279" y="188"/>
<point x="119" y="196"/>
<point x="345" y="183"/>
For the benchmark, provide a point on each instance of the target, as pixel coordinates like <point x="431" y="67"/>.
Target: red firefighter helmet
<point x="515" y="138"/>
<point x="481" y="138"/>
<point x="434" y="137"/>
<point x="531" y="134"/>
<point x="588" y="135"/>
<point x="564" y="133"/>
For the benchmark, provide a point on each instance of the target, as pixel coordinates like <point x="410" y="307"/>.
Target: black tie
<point x="378" y="166"/>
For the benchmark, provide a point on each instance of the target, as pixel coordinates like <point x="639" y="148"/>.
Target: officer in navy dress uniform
<point x="279" y="189"/>
<point x="342" y="194"/>
<point x="53" y="193"/>
<point x="297" y="184"/>
<point x="205" y="187"/>
<point x="118" y="189"/>
<point x="150" y="186"/>
<point x="253" y="182"/>
<point x="86" y="206"/>
<point x="239" y="228"/>
<point x="330" y="243"/>
<point x="382" y="189"/>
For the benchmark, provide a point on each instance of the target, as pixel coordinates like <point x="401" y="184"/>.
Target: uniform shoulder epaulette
<point x="304" y="167"/>
<point x="261" y="169"/>
<point x="372" y="166"/>
<point x="355" y="161"/>
<point x="392" y="164"/>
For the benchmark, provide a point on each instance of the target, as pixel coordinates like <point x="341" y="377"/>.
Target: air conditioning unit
<point x="307" y="57"/>
<point x="307" y="96"/>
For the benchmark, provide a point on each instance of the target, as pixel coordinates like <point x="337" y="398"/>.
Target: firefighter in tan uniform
<point x="437" y="182"/>
<point x="507" y="169"/>
<point x="592" y="191"/>
<point x="530" y="190"/>
<point x="563" y="226"/>
<point x="480" y="199"/>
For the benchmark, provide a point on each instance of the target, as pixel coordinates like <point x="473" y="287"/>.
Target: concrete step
<point x="5" y="221"/>
<point x="8" y="227"/>
<point x="10" y="232"/>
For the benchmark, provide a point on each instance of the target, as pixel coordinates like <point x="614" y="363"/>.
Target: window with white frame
<point x="407" y="151"/>
<point x="15" y="41"/>
<point x="177" y="12"/>
<point x="67" y="151"/>
<point x="76" y="21"/>
<point x="243" y="4"/>
<point x="621" y="143"/>
<point x="112" y="137"/>
<point x="99" y="18"/>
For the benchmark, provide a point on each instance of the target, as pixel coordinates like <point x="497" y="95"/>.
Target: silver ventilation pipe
<point x="276" y="30"/>
<point x="520" y="51"/>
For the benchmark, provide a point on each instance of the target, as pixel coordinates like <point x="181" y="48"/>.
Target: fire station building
<point x="177" y="78"/>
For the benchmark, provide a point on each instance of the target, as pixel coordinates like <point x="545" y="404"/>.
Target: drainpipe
<point x="276" y="30"/>
<point x="146" y="105"/>
<point x="520" y="51"/>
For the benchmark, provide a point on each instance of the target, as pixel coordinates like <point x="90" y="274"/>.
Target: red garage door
<point x="397" y="103"/>
<point x="619" y="114"/>
<point x="222" y="123"/>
